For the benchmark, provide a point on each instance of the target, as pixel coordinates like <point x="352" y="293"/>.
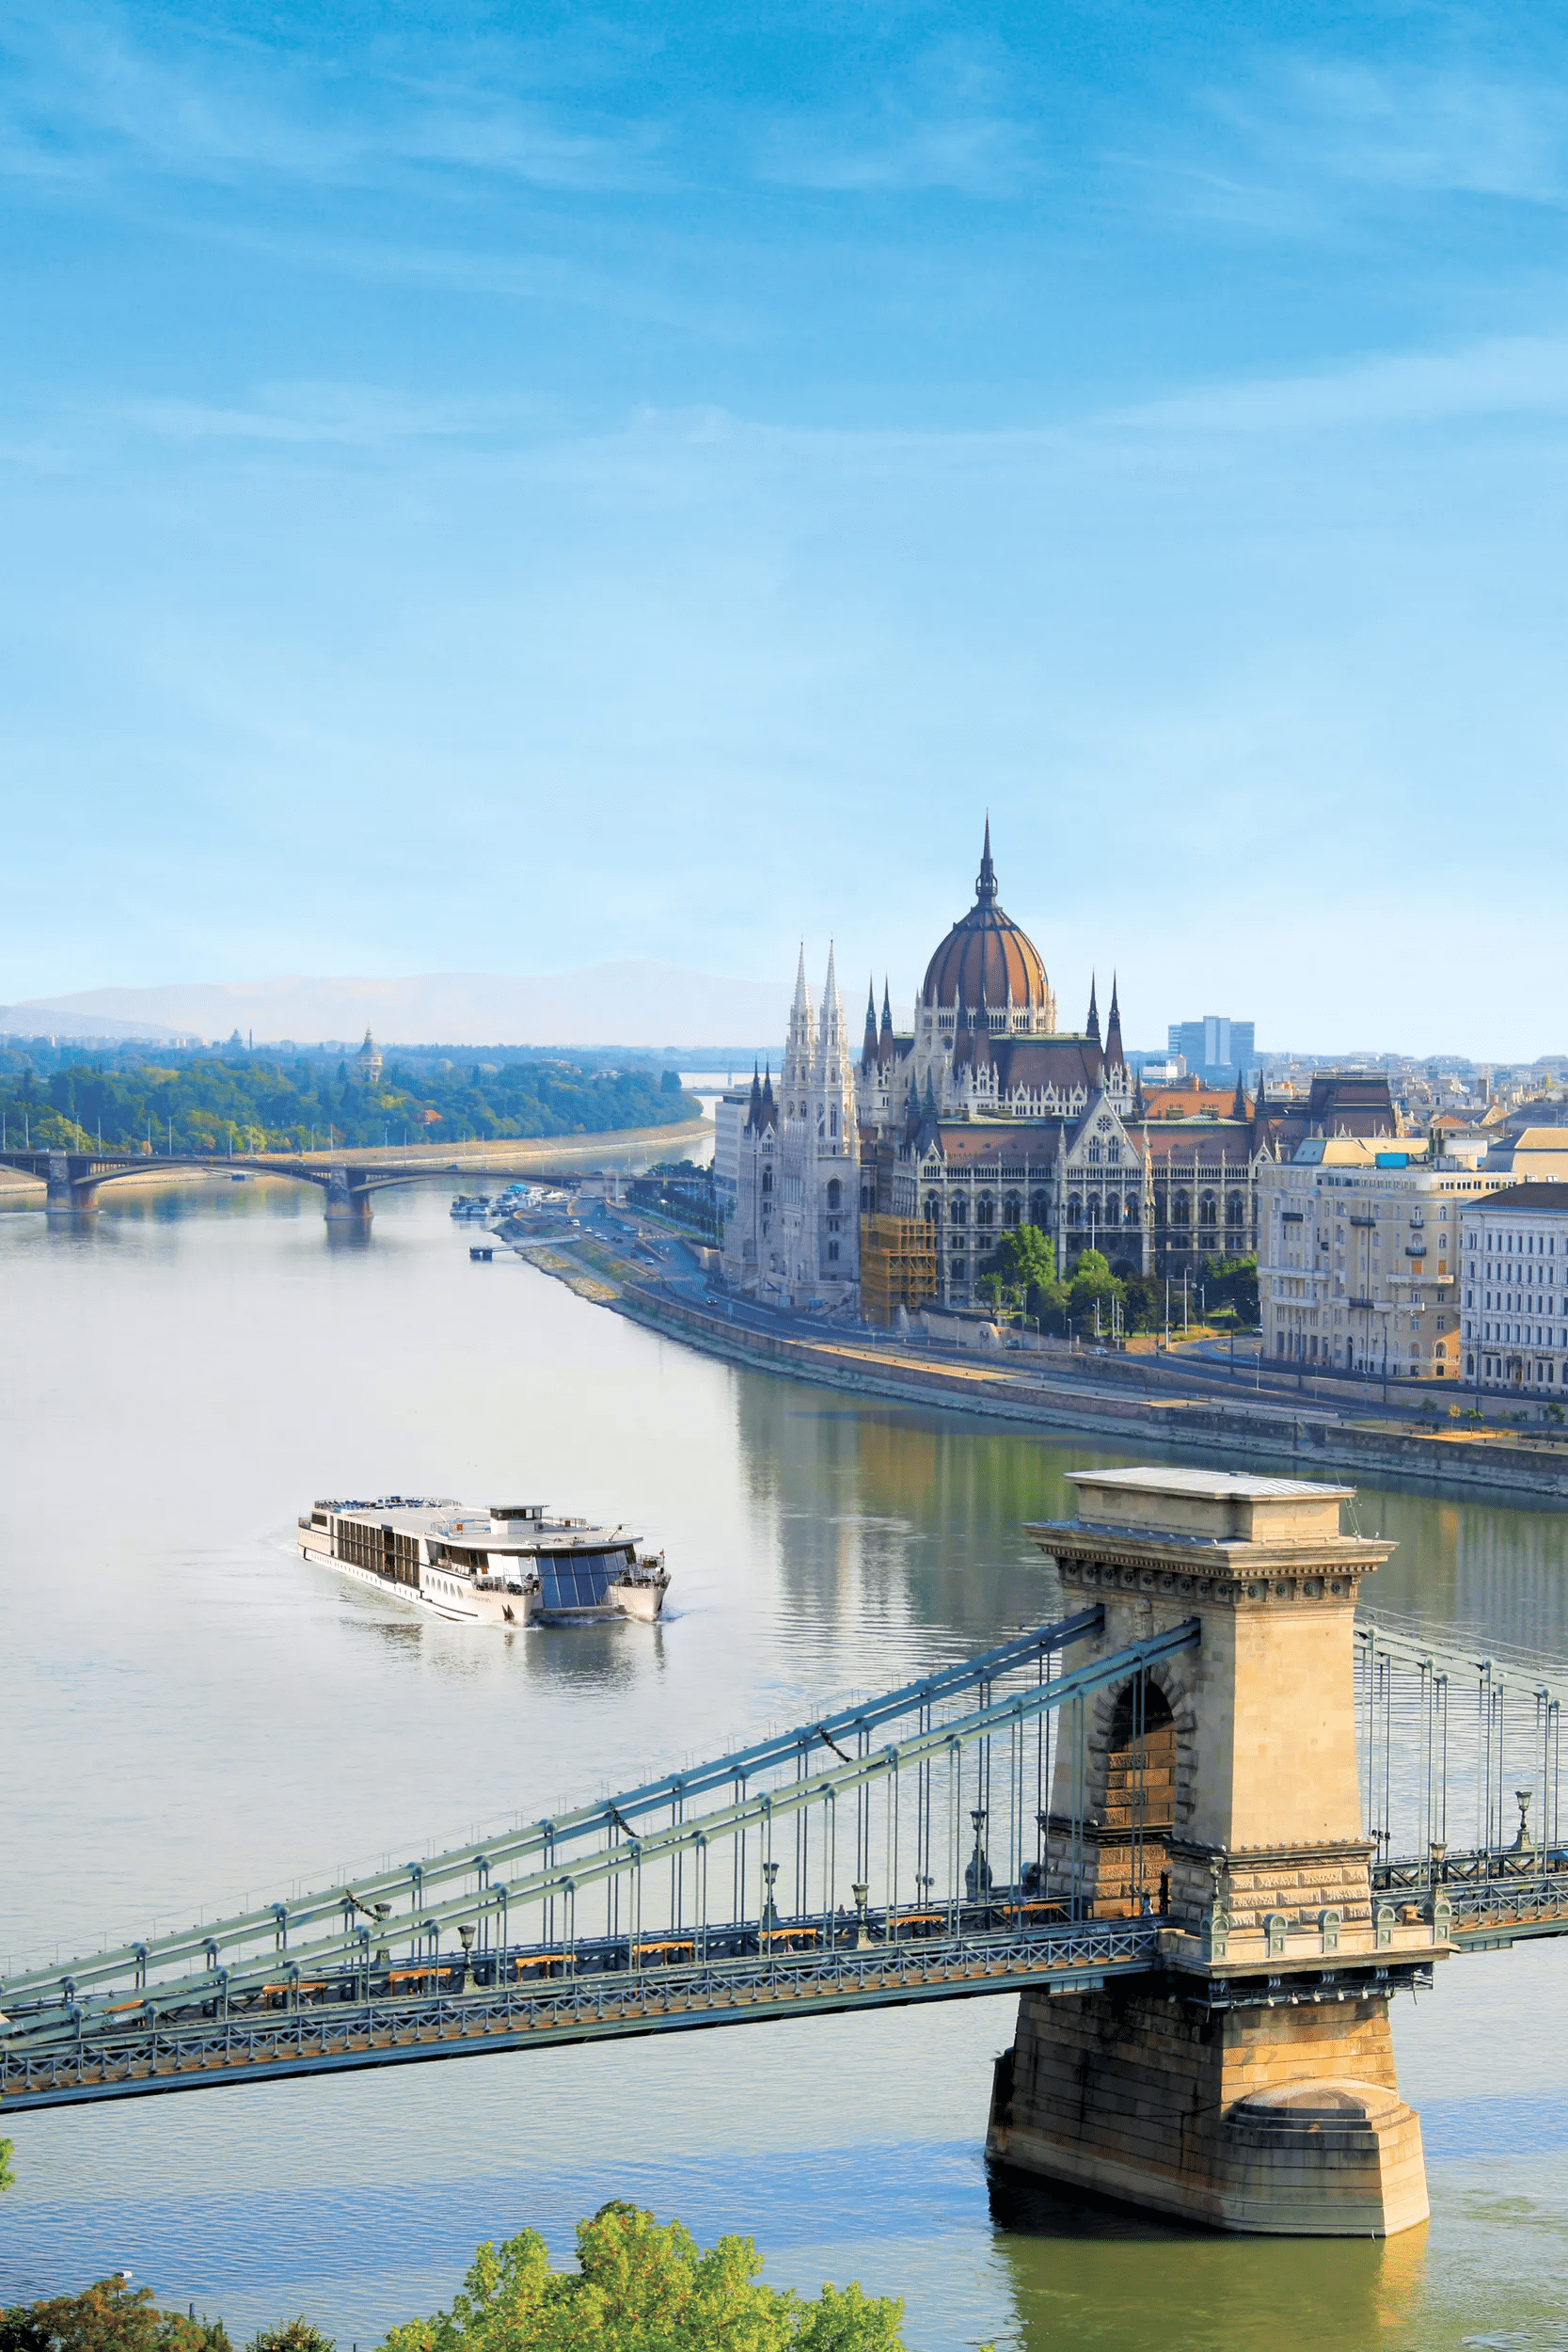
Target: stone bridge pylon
<point x="1251" y="2085"/>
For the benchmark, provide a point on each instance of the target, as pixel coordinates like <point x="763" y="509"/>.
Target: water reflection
<point x="212" y="1717"/>
<point x="1086" y="2274"/>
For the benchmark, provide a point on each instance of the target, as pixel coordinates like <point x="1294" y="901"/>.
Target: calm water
<point x="192" y="1715"/>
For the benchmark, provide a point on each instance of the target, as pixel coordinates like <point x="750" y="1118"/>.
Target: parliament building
<point x="871" y="1183"/>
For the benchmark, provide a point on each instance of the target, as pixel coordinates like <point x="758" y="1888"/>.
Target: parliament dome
<point x="985" y="959"/>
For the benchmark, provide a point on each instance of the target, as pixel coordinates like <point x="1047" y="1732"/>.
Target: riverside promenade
<point x="1109" y="1398"/>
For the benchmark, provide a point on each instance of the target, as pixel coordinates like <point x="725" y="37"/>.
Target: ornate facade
<point x="792" y="1238"/>
<point x="983" y="1114"/>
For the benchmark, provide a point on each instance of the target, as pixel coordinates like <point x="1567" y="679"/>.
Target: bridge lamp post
<point x="860" y="1891"/>
<point x="465" y="1937"/>
<point x="978" y="1873"/>
<point x="770" y="1909"/>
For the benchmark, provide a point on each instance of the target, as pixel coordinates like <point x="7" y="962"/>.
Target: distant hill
<point x="632" y="1003"/>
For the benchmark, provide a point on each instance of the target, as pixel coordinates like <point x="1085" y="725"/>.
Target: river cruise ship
<point x="508" y="1563"/>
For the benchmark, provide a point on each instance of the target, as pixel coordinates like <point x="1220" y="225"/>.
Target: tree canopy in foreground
<point x="642" y="2286"/>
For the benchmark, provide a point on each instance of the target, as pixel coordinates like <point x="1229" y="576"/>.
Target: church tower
<point x="815" y="1251"/>
<point x="835" y="1203"/>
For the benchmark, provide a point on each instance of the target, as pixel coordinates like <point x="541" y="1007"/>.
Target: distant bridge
<point x="75" y="1179"/>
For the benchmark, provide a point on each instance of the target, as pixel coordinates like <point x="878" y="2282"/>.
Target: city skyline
<point x="468" y="484"/>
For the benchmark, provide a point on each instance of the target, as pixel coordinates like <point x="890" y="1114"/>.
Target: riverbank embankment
<point x="1070" y="1394"/>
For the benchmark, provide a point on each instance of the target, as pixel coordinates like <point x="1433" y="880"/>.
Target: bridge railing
<point x="833" y="1813"/>
<point x="1460" y="1747"/>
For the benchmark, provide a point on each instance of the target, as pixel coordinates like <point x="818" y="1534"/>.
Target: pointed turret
<point x="754" y="1108"/>
<point x="1241" y="1107"/>
<point x="799" y="1051"/>
<point x="869" y="1050"/>
<point x="1092" y="1026"/>
<point x="884" y="1043"/>
<point x="1115" y="1057"/>
<point x="985" y="885"/>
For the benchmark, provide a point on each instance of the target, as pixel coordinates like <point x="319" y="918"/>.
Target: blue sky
<point x="489" y="489"/>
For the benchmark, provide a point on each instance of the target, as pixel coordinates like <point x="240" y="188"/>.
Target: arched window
<point x="767" y="1179"/>
<point x="1235" y="1208"/>
<point x="1208" y="1209"/>
<point x="933" y="1208"/>
<point x="1012" y="1210"/>
<point x="1075" y="1210"/>
<point x="1181" y="1209"/>
<point x="985" y="1210"/>
<point x="1092" y="1209"/>
<point x="835" y="1192"/>
<point x="957" y="1210"/>
<point x="1131" y="1209"/>
<point x="1040" y="1208"/>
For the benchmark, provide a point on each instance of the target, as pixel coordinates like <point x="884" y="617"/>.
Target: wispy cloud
<point x="88" y="87"/>
<point x="344" y="416"/>
<point x="1501" y="375"/>
<point x="949" y="120"/>
<point x="1450" y="127"/>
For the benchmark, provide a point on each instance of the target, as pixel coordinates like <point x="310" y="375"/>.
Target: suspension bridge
<point x="1210" y="1802"/>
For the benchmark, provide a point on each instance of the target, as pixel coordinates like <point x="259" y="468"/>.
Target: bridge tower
<point x="1253" y="2088"/>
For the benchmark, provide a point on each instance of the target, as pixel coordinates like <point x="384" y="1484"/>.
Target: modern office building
<point x="1216" y="1048"/>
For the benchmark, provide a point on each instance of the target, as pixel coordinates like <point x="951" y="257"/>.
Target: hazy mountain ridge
<point x="635" y="1002"/>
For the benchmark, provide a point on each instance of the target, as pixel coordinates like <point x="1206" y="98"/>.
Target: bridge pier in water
<point x="346" y="1204"/>
<point x="1251" y="2087"/>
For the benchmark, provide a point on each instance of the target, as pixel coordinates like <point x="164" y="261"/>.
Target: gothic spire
<point x="1093" y="1028"/>
<point x="1240" y="1107"/>
<point x="1115" y="1058"/>
<point x="887" y="1007"/>
<point x="802" y="1001"/>
<point x="985" y="886"/>
<point x="869" y="1050"/>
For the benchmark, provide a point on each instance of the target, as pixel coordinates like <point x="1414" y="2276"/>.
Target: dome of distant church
<point x="984" y="958"/>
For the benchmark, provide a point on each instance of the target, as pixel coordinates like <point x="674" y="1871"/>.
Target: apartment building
<point x="1514" y="1310"/>
<point x="1359" y="1254"/>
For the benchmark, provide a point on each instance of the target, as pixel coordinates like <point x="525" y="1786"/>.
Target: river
<point x="193" y="1715"/>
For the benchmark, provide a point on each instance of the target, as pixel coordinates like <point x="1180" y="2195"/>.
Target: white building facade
<point x="1514" y="1252"/>
<point x="792" y="1238"/>
<point x="1359" y="1257"/>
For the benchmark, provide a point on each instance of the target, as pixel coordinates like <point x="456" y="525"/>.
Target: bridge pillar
<point x="64" y="1196"/>
<point x="1252" y="2086"/>
<point x="346" y="1202"/>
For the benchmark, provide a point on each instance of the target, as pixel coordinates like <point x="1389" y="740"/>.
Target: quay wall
<point x="1271" y="1434"/>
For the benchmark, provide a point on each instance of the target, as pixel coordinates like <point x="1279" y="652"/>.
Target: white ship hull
<point x="460" y="1602"/>
<point x="444" y="1597"/>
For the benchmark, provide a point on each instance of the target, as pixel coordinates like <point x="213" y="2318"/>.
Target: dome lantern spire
<point x="985" y="882"/>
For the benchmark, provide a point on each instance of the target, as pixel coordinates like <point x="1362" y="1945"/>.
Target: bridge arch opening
<point x="1140" y="1789"/>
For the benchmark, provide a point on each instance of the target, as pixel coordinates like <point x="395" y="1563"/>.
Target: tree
<point x="7" y="2178"/>
<point x="1093" y="1286"/>
<point x="1024" y="1262"/>
<point x="1232" y="1283"/>
<point x="109" y="2316"/>
<point x="643" y="2287"/>
<point x="291" y="2335"/>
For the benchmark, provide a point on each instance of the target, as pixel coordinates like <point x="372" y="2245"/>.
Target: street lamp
<point x="860" y="1892"/>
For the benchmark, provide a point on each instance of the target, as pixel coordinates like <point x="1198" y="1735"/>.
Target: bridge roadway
<point x="73" y="1179"/>
<point x="742" y="1972"/>
<point x="876" y="1789"/>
